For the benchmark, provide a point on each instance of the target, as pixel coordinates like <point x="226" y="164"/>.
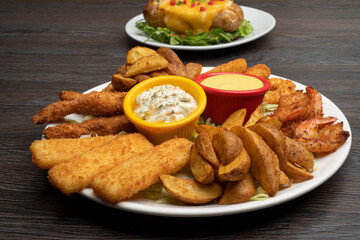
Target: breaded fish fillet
<point x="138" y="171"/>
<point x="48" y="153"/>
<point x="77" y="173"/>
<point x="260" y="70"/>
<point x="97" y="126"/>
<point x="94" y="103"/>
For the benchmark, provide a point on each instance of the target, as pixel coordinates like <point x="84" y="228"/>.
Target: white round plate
<point x="326" y="166"/>
<point x="261" y="21"/>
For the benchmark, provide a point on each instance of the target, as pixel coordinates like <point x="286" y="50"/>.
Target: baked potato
<point x="187" y="16"/>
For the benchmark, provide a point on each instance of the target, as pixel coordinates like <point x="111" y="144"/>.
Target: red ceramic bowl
<point x="221" y="103"/>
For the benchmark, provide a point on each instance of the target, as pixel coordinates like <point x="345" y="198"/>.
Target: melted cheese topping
<point x="191" y="15"/>
<point x="233" y="82"/>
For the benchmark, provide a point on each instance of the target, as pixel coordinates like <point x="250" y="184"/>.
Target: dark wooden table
<point x="49" y="46"/>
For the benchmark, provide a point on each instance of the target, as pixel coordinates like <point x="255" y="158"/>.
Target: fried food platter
<point x="261" y="21"/>
<point x="325" y="167"/>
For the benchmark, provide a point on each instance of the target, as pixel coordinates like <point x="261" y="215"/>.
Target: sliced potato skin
<point x="264" y="162"/>
<point x="190" y="191"/>
<point x="296" y="173"/>
<point x="227" y="146"/>
<point x="200" y="168"/>
<point x="211" y="130"/>
<point x="239" y="191"/>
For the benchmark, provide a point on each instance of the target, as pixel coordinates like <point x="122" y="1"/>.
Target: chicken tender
<point x="138" y="171"/>
<point x="77" y="173"/>
<point x="95" y="127"/>
<point x="260" y="70"/>
<point x="93" y="103"/>
<point x="48" y="153"/>
<point x="69" y="95"/>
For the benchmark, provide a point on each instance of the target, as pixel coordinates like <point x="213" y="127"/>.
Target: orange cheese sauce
<point x="235" y="82"/>
<point x="191" y="15"/>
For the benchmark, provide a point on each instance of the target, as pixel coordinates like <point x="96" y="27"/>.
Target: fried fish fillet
<point x="260" y="70"/>
<point x="97" y="126"/>
<point x="48" y="153"/>
<point x="77" y="173"/>
<point x="94" y="103"/>
<point x="138" y="171"/>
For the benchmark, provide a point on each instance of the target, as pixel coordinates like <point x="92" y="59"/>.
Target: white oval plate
<point x="326" y="167"/>
<point x="261" y="21"/>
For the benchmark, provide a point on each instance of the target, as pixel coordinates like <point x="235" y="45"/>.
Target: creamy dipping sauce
<point x="164" y="104"/>
<point x="233" y="82"/>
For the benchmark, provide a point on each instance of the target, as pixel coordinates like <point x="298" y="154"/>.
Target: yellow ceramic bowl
<point x="160" y="132"/>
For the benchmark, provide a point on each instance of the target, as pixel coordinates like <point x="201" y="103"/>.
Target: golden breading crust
<point x="138" y="171"/>
<point x="77" y="173"/>
<point x="48" y="153"/>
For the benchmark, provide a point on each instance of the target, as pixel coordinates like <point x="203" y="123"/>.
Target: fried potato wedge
<point x="211" y="130"/>
<point x="190" y="191"/>
<point x="138" y="52"/>
<point x="235" y="119"/>
<point x="275" y="139"/>
<point x="260" y="70"/>
<point x="108" y="88"/>
<point x="276" y="122"/>
<point x="298" y="154"/>
<point x="200" y="168"/>
<point x="147" y="64"/>
<point x="175" y="66"/>
<point x="158" y="73"/>
<point x="227" y="146"/>
<point x="122" y="70"/>
<point x="121" y="83"/>
<point x="204" y="146"/>
<point x="193" y="69"/>
<point x="237" y="169"/>
<point x="264" y="162"/>
<point x="296" y="173"/>
<point x="238" y="191"/>
<point x="237" y="65"/>
<point x="284" y="180"/>
<point x="141" y="77"/>
<point x="255" y="116"/>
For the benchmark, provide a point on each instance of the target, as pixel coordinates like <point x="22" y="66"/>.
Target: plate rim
<point x="208" y="210"/>
<point x="130" y="26"/>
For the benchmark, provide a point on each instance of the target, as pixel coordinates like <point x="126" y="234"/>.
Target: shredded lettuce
<point x="215" y="36"/>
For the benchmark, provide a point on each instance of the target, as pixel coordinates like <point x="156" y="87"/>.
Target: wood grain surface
<point x="49" y="46"/>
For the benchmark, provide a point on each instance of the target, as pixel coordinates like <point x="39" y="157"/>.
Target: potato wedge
<point x="190" y="191"/>
<point x="237" y="65"/>
<point x="276" y="122"/>
<point x="193" y="69"/>
<point x="141" y="77"/>
<point x="146" y="64"/>
<point x="121" y="83"/>
<point x="284" y="180"/>
<point x="158" y="73"/>
<point x="239" y="191"/>
<point x="204" y="146"/>
<point x="260" y="70"/>
<point x="200" y="168"/>
<point x="275" y="139"/>
<point x="175" y="66"/>
<point x="122" y="70"/>
<point x="235" y="119"/>
<point x="108" y="88"/>
<point x="296" y="173"/>
<point x="138" y="52"/>
<point x="255" y="116"/>
<point x="264" y="162"/>
<point x="227" y="146"/>
<point x="237" y="169"/>
<point x="211" y="130"/>
<point x="298" y="154"/>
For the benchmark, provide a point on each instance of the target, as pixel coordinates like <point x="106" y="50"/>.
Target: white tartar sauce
<point x="165" y="103"/>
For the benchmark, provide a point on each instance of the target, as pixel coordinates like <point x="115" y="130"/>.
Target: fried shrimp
<point x="320" y="135"/>
<point x="93" y="103"/>
<point x="279" y="87"/>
